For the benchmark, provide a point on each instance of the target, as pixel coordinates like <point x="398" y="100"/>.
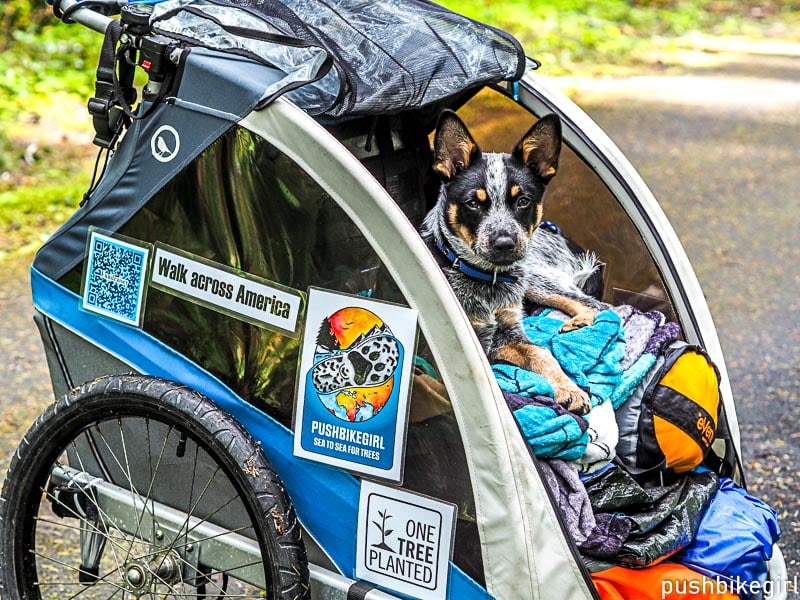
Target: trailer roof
<point x="350" y="57"/>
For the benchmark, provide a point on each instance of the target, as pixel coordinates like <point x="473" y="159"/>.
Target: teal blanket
<point x="609" y="359"/>
<point x="590" y="356"/>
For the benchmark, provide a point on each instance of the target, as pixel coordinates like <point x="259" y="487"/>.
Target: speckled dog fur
<point x="487" y="214"/>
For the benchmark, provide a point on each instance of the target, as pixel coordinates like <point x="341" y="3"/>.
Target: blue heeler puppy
<point x="484" y="233"/>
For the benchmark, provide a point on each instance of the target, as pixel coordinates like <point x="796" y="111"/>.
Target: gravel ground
<point x="23" y="367"/>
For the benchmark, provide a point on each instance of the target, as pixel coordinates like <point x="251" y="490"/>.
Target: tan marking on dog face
<point x="538" y="219"/>
<point x="459" y="228"/>
<point x="452" y="215"/>
<point x="515" y="190"/>
<point x="482" y="195"/>
<point x="465" y="234"/>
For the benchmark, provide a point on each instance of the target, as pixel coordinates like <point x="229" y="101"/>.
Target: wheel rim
<point x="82" y="542"/>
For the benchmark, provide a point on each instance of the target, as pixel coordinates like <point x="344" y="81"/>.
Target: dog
<point x="484" y="233"/>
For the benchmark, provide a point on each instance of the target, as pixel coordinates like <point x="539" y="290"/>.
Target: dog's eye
<point x="472" y="204"/>
<point x="523" y="202"/>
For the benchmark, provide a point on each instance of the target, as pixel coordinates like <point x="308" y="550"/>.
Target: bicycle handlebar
<point x="128" y="43"/>
<point x="86" y="16"/>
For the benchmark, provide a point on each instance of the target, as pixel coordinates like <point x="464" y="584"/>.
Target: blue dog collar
<point x="470" y="270"/>
<point x="550" y="226"/>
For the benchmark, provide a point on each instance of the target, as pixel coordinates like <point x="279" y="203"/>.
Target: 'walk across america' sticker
<point x="219" y="287"/>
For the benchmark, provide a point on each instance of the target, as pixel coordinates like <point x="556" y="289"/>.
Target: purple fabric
<point x="598" y="535"/>
<point x="609" y="534"/>
<point x="666" y="334"/>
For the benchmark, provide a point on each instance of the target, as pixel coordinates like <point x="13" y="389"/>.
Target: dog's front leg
<point x="513" y="346"/>
<point x="579" y="312"/>
<point x="485" y="327"/>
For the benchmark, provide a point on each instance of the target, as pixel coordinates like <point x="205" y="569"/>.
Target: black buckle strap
<point x="112" y="94"/>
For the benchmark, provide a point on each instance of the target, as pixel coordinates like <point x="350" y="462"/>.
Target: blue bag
<point x="734" y="540"/>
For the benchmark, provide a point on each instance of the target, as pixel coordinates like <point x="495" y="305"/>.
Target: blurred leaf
<point x="573" y="34"/>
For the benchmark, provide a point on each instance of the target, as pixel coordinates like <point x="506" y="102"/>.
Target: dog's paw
<point x="582" y="319"/>
<point x="573" y="398"/>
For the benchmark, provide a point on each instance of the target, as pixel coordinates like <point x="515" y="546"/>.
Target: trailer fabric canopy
<point x="350" y="57"/>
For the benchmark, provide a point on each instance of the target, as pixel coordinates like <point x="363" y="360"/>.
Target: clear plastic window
<point x="578" y="201"/>
<point x="271" y="219"/>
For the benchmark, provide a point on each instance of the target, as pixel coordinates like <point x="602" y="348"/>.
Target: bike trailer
<point x="266" y="387"/>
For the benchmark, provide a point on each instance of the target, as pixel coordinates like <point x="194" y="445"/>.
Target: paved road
<point x="23" y="372"/>
<point x="719" y="148"/>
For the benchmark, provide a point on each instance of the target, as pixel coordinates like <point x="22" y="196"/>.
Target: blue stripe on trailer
<point x="331" y="517"/>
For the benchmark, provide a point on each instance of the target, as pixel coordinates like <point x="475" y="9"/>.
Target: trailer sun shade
<point x="350" y="57"/>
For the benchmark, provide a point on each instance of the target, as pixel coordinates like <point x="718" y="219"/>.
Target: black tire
<point x="154" y="444"/>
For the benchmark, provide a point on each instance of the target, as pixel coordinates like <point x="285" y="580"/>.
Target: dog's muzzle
<point x="505" y="249"/>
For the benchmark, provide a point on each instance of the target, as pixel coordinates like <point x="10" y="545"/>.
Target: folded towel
<point x="550" y="429"/>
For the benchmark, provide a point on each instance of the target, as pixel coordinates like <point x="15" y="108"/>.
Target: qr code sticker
<point x="115" y="277"/>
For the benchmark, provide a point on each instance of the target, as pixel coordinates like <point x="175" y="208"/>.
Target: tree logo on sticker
<point x="384" y="530"/>
<point x="355" y="363"/>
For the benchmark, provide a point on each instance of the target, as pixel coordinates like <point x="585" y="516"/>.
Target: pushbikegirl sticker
<point x="115" y="277"/>
<point x="224" y="289"/>
<point x="354" y="382"/>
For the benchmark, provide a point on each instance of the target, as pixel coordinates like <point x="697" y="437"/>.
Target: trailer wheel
<point x="135" y="487"/>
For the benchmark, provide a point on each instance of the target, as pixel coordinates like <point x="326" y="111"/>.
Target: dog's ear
<point x="453" y="147"/>
<point x="540" y="147"/>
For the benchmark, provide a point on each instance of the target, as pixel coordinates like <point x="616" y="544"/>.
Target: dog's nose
<point x="504" y="243"/>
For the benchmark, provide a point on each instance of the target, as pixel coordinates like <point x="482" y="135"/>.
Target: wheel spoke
<point x="106" y="518"/>
<point x="101" y="507"/>
<point x="61" y="523"/>
<point x="153" y="476"/>
<point x="71" y="568"/>
<point x="76" y="515"/>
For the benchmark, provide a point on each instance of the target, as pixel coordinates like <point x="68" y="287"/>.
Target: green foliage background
<point x="596" y="34"/>
<point x="46" y="74"/>
<point x="47" y="70"/>
<point x="40" y="58"/>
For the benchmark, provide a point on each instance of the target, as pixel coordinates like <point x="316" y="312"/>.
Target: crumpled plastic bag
<point x="735" y="538"/>
<point x="665" y="518"/>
